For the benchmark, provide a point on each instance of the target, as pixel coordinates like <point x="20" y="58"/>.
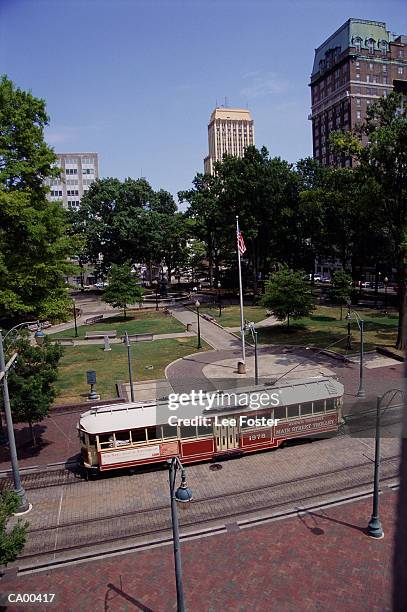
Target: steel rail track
<point x="40" y="479"/>
<point x="143" y="523"/>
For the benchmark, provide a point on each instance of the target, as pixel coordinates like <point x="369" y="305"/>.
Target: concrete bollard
<point x="241" y="367"/>
<point x="107" y="345"/>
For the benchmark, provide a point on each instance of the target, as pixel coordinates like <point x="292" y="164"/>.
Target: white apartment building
<point x="78" y="171"/>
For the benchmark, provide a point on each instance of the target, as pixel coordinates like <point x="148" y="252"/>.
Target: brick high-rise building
<point x="230" y="132"/>
<point x="358" y="64"/>
<point x="78" y="171"/>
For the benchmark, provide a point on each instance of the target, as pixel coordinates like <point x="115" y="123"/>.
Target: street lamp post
<point x="197" y="305"/>
<point x="126" y="340"/>
<point x="361" y="391"/>
<point x="219" y="299"/>
<point x="349" y="336"/>
<point x="182" y="494"/>
<point x="24" y="505"/>
<point x="250" y="325"/>
<point x="74" y="318"/>
<point x="386" y="281"/>
<point x="374" y="528"/>
<point x="156" y="295"/>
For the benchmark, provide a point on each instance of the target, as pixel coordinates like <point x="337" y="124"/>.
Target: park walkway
<point x="214" y="335"/>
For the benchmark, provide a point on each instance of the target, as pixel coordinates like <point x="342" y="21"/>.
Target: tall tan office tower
<point x="230" y="132"/>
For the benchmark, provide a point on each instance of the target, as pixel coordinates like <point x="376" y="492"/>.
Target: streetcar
<point x="226" y="424"/>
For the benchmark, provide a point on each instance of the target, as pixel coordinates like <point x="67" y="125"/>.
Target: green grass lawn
<point x="231" y="314"/>
<point x="323" y="328"/>
<point x="112" y="366"/>
<point x="136" y="323"/>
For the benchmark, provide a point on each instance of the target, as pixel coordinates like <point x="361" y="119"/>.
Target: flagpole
<point x="240" y="292"/>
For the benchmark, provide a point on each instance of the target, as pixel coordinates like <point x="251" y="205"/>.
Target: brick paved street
<point x="321" y="560"/>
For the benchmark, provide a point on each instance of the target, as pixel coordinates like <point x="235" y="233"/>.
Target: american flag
<point x="240" y="243"/>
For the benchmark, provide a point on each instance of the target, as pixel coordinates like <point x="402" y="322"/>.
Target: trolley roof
<point x="117" y="417"/>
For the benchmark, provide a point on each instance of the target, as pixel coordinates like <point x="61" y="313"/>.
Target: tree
<point x="380" y="148"/>
<point x="34" y="246"/>
<point x="11" y="540"/>
<point x="30" y="382"/>
<point x="288" y="295"/>
<point x="33" y="257"/>
<point x="123" y="288"/>
<point x="341" y="288"/>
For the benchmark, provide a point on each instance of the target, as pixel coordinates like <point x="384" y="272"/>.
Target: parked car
<point x="101" y="285"/>
<point x="325" y="279"/>
<point x="365" y="284"/>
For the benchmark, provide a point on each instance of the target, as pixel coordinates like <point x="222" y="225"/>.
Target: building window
<point x="71" y="171"/>
<point x="384" y="68"/>
<point x="399" y="70"/>
<point x="370" y="66"/>
<point x="357" y="41"/>
<point x="370" y="45"/>
<point x="358" y="115"/>
<point x="357" y="75"/>
<point x="357" y="101"/>
<point x="401" y="53"/>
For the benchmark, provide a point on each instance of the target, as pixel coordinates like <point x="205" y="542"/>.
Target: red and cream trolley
<point x="124" y="435"/>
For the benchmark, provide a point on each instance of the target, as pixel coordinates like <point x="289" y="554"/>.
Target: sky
<point x="137" y="80"/>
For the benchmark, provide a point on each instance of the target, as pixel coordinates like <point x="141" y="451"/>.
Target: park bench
<point x="95" y="319"/>
<point x="140" y="337"/>
<point x="110" y="333"/>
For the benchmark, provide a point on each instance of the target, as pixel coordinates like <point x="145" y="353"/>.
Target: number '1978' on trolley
<point x="133" y="434"/>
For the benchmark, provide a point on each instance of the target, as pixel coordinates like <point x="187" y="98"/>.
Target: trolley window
<point x="188" y="431"/>
<point x="319" y="406"/>
<point x="122" y="438"/>
<point x="92" y="439"/>
<point x="138" y="435"/>
<point x="169" y="431"/>
<point x="280" y="412"/>
<point x="154" y="433"/>
<point x="293" y="411"/>
<point x="306" y="408"/>
<point x="330" y="404"/>
<point x="205" y="430"/>
<point x="106" y="440"/>
<point x="82" y="436"/>
<point x="244" y="424"/>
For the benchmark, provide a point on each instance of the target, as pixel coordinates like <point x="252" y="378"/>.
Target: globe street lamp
<point x="219" y="299"/>
<point x="361" y="391"/>
<point x="24" y="505"/>
<point x="374" y="528"/>
<point x="197" y="305"/>
<point x="183" y="494"/>
<point x="386" y="282"/>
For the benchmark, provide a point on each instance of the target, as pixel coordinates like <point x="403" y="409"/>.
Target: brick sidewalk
<point x="319" y="561"/>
